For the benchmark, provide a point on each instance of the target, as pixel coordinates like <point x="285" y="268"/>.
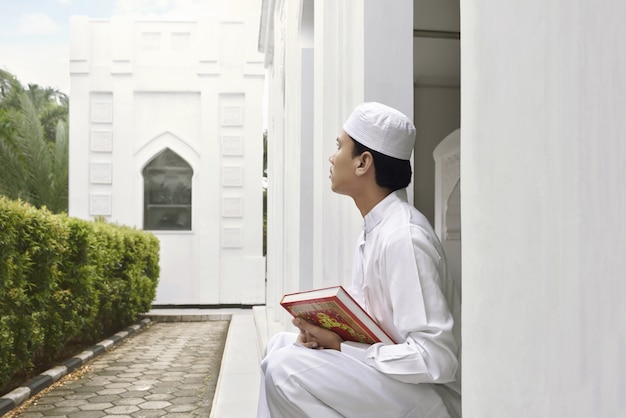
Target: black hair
<point x="392" y="173"/>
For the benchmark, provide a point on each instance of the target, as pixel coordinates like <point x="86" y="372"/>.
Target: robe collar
<point x="377" y="213"/>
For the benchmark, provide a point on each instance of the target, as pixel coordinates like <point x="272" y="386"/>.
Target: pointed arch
<point x="167" y="139"/>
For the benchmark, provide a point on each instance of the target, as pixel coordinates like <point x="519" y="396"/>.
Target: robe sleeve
<point x="410" y="270"/>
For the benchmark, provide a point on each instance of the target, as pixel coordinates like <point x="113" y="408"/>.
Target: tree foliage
<point x="34" y="144"/>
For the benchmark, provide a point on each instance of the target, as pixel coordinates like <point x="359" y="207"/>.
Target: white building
<point x="538" y="94"/>
<point x="166" y="135"/>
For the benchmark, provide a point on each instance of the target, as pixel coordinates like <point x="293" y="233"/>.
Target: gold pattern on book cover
<point x="328" y="322"/>
<point x="331" y="316"/>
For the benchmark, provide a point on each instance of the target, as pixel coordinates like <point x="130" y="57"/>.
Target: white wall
<point x="194" y="86"/>
<point x="543" y="198"/>
<point x="388" y="53"/>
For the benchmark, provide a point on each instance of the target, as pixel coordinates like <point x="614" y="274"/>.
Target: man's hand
<point x="312" y="336"/>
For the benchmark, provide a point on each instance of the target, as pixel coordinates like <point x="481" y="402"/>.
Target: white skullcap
<point x="383" y="129"/>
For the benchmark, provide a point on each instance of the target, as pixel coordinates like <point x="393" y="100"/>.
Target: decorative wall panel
<point x="232" y="146"/>
<point x="232" y="176"/>
<point x="101" y="173"/>
<point x="232" y="207"/>
<point x="101" y="140"/>
<point x="100" y="204"/>
<point x="232" y="115"/>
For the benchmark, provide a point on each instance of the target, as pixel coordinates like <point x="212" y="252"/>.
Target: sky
<point x="34" y="34"/>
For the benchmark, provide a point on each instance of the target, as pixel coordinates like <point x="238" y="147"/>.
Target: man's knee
<point x="280" y="340"/>
<point x="277" y="358"/>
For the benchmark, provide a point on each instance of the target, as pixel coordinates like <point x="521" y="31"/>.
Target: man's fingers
<point x="310" y="344"/>
<point x="303" y="324"/>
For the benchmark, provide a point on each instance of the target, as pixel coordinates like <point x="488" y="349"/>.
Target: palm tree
<point x="12" y="164"/>
<point x="33" y="155"/>
<point x="60" y="169"/>
<point x="51" y="106"/>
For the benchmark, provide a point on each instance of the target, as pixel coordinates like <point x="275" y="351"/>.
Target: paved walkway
<point x="170" y="368"/>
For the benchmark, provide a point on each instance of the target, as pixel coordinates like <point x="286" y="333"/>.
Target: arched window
<point x="167" y="193"/>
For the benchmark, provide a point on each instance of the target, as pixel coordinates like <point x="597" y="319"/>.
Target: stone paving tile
<point x="169" y="369"/>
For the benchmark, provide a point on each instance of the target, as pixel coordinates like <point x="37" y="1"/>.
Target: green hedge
<point x="67" y="280"/>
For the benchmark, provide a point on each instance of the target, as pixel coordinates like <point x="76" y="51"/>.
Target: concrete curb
<point x="32" y="387"/>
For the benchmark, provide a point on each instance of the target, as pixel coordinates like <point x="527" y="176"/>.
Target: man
<point x="399" y="276"/>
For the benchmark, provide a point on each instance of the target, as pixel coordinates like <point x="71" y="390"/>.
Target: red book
<point x="335" y="309"/>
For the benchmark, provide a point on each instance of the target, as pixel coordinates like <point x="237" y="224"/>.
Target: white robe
<point x="400" y="277"/>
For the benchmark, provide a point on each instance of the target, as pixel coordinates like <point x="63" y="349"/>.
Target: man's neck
<point x="366" y="201"/>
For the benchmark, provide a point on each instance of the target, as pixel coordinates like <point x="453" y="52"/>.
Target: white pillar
<point x="543" y="200"/>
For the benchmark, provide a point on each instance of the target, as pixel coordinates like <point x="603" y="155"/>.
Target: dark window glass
<point x="167" y="193"/>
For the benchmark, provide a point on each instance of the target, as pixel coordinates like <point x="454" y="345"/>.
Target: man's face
<point x="343" y="166"/>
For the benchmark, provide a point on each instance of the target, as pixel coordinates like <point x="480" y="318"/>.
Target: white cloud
<point x="64" y="1"/>
<point x="25" y="62"/>
<point x="37" y="24"/>
<point x="141" y="6"/>
<point x="166" y="8"/>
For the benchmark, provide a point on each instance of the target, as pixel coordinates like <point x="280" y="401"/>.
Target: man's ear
<point x="365" y="163"/>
